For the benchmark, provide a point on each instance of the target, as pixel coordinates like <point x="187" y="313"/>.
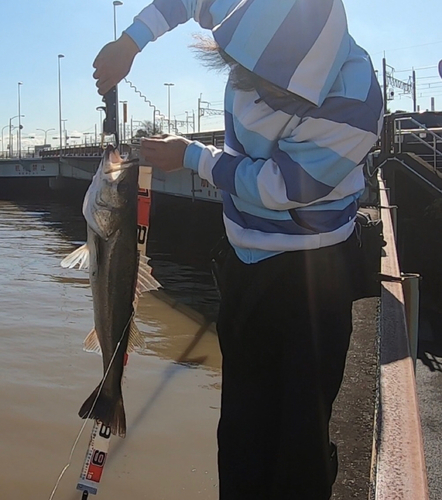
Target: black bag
<point x="367" y="263"/>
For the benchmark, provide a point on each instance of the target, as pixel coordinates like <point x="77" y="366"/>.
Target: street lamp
<point x="101" y="109"/>
<point x="45" y="132"/>
<point x="168" y="85"/>
<point x="65" y="132"/>
<point x="19" y="84"/>
<point x="116" y="4"/>
<point x="3" y="142"/>
<point x="10" y="133"/>
<point x="60" y="56"/>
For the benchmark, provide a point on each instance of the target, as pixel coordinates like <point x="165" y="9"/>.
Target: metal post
<point x="3" y="143"/>
<point x="394" y="220"/>
<point x="60" y="56"/>
<point x="10" y="153"/>
<point x="168" y="85"/>
<point x="116" y="3"/>
<point x="199" y="113"/>
<point x="410" y="285"/>
<point x="19" y="121"/>
<point x="384" y="66"/>
<point x="414" y="92"/>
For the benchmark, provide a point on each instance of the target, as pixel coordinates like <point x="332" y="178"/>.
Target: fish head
<point x="113" y="189"/>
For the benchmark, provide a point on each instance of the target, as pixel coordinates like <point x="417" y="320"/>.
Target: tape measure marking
<point x="95" y="458"/>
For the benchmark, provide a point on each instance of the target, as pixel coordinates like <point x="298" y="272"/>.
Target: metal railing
<point x="398" y="463"/>
<point x="420" y="133"/>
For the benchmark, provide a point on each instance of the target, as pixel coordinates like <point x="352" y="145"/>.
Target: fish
<point x="118" y="275"/>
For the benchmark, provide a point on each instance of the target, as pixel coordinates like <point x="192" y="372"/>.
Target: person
<point x="302" y="109"/>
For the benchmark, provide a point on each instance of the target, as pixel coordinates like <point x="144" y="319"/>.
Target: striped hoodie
<point x="291" y="169"/>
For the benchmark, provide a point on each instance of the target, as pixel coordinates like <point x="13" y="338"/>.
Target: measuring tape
<point x="95" y="459"/>
<point x="96" y="455"/>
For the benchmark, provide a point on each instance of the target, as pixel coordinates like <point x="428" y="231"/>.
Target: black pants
<point x="284" y="328"/>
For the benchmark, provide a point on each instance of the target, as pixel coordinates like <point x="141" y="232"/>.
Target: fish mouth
<point x="114" y="162"/>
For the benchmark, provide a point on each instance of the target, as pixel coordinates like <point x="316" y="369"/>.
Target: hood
<point x="298" y="45"/>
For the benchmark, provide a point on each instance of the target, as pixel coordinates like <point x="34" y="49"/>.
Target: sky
<point x="33" y="34"/>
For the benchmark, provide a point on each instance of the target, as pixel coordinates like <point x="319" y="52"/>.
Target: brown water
<point x="45" y="312"/>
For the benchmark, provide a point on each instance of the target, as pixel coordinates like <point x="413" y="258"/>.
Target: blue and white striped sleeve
<point x="165" y="15"/>
<point x="321" y="161"/>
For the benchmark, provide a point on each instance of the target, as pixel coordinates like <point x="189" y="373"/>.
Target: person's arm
<point x="115" y="59"/>
<point x="165" y="15"/>
<point x="317" y="163"/>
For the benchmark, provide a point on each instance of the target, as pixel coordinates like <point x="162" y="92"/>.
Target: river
<point x="172" y="407"/>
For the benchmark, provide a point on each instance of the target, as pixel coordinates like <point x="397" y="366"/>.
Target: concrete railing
<point x="398" y="465"/>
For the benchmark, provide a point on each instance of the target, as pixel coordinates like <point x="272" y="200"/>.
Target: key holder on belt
<point x="110" y="122"/>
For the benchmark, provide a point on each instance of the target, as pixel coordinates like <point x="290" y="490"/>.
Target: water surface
<point x="45" y="312"/>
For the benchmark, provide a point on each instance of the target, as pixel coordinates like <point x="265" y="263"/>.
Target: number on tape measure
<point x="95" y="458"/>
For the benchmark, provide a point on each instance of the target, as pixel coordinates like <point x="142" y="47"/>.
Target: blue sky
<point x="33" y="33"/>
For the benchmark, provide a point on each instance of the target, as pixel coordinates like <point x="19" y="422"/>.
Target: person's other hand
<point x="113" y="62"/>
<point x="165" y="152"/>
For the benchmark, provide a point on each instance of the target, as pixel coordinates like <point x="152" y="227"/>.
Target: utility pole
<point x="384" y="68"/>
<point x="414" y="91"/>
<point x="209" y="111"/>
<point x="199" y="112"/>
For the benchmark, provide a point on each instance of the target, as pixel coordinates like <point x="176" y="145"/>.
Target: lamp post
<point x="45" y="132"/>
<point x="168" y="85"/>
<point x="65" y="132"/>
<point x="116" y="3"/>
<point x="60" y="56"/>
<point x="3" y="142"/>
<point x="19" y="84"/>
<point x="101" y="109"/>
<point x="10" y="134"/>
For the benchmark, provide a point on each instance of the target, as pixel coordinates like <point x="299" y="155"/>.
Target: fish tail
<point x="107" y="409"/>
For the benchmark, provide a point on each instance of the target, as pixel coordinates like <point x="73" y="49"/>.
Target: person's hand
<point x="165" y="152"/>
<point x="113" y="62"/>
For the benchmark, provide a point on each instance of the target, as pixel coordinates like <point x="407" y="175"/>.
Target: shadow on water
<point x="180" y="238"/>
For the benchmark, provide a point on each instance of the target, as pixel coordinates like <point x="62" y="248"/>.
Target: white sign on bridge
<point x="28" y="168"/>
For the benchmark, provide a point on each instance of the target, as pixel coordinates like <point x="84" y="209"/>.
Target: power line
<point x="406" y="48"/>
<point x="415" y="69"/>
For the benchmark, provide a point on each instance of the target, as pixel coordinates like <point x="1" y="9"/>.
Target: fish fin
<point x="106" y="409"/>
<point x="91" y="343"/>
<point x="145" y="281"/>
<point x="79" y="256"/>
<point x="136" y="340"/>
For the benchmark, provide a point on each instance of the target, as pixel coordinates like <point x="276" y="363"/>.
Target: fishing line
<point x="66" y="467"/>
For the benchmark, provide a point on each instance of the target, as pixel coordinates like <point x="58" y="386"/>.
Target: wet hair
<point x="214" y="57"/>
